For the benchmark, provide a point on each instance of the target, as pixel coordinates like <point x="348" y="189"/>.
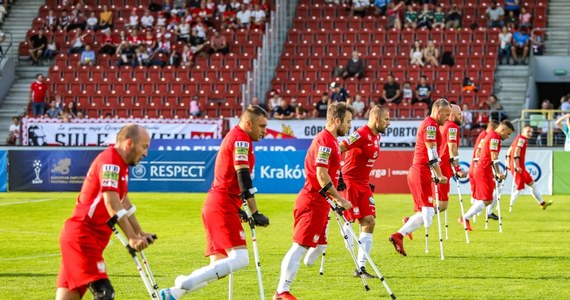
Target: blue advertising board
<point x="3" y="170"/>
<point x="214" y="145"/>
<point x="279" y="173"/>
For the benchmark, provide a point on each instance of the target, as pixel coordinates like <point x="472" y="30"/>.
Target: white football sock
<point x="474" y="209"/>
<point x="313" y="254"/>
<point x="514" y="196"/>
<point x="365" y="239"/>
<point x="427" y="214"/>
<point x="349" y="242"/>
<point x="536" y="194"/>
<point x="289" y="267"/>
<point x="414" y="222"/>
<point x="491" y="206"/>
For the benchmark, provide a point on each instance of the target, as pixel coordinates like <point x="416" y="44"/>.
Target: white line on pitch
<point x="24" y="202"/>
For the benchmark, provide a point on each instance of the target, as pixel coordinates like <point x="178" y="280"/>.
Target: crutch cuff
<point x="131" y="211"/>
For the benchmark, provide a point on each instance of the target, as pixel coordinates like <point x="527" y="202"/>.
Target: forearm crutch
<point x="338" y="212"/>
<point x="499" y="186"/>
<point x="436" y="190"/>
<point x="146" y="274"/>
<point x="255" y="250"/>
<point x="322" y="268"/>
<point x="461" y="205"/>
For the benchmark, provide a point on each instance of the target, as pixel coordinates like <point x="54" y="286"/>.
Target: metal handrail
<point x="549" y="116"/>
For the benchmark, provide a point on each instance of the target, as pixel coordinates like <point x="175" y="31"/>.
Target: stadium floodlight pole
<point x="145" y="272"/>
<point x="255" y="250"/>
<point x="338" y="212"/>
<point x="436" y="190"/>
<point x="322" y="268"/>
<point x="461" y="205"/>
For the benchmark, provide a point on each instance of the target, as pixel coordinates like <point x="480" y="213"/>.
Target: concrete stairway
<point x="558" y="38"/>
<point x="510" y="87"/>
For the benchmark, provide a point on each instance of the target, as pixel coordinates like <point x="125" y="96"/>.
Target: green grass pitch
<point x="529" y="260"/>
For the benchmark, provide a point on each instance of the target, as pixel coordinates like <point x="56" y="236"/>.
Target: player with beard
<point x="322" y="164"/>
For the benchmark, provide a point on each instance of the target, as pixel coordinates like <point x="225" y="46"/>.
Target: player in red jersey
<point x="491" y="126"/>
<point x="516" y="160"/>
<point x="225" y="238"/>
<point x="86" y="234"/>
<point x="362" y="148"/>
<point x="420" y="179"/>
<point x="488" y="160"/>
<point x="322" y="165"/>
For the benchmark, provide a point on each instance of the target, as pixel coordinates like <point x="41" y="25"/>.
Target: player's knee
<point x="102" y="290"/>
<point x="427" y="215"/>
<point x="368" y="223"/>
<point x="313" y="254"/>
<point x="239" y="259"/>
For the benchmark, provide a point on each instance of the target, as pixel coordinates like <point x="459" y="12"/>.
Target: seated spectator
<point x="495" y="15"/>
<point x="77" y="44"/>
<point x="108" y="116"/>
<point x="380" y="7"/>
<point x="133" y="20"/>
<point x="354" y="67"/>
<point x="14" y="133"/>
<point x="255" y="101"/>
<point x="520" y="46"/>
<point x="78" y="21"/>
<point x="339" y="93"/>
<point x="72" y="108"/>
<point x="80" y="115"/>
<point x="407" y="92"/>
<point x="505" y="42"/>
<point x="359" y="7"/>
<point x="187" y="57"/>
<point x="537" y="46"/>
<point x="393" y="13"/>
<point x="51" y="50"/>
<point x="229" y="20"/>
<point x="87" y="57"/>
<point x="244" y="17"/>
<point x="391" y="92"/>
<point x="426" y="17"/>
<point x="284" y="111"/>
<point x="149" y="40"/>
<point x="431" y="54"/>
<point x="511" y="20"/>
<point x="525" y="18"/>
<point x="493" y="104"/>
<point x="195" y="107"/>
<point x="259" y="17"/>
<point x="469" y="85"/>
<point x="439" y="17"/>
<point x="50" y="21"/>
<point x="53" y="112"/>
<point x="147" y="20"/>
<point x="105" y="18"/>
<point x="370" y="107"/>
<point x="162" y="19"/>
<point x="274" y="101"/>
<point x="417" y="55"/>
<point x="467" y="117"/>
<point x="183" y="32"/>
<point x="218" y="44"/>
<point x="38" y="43"/>
<point x="565" y="103"/>
<point x="197" y="44"/>
<point x="221" y="8"/>
<point x="512" y="5"/>
<point x="92" y="22"/>
<point x="163" y="44"/>
<point x="321" y="106"/>
<point x="453" y="18"/>
<point x="64" y="21"/>
<point x="201" y="28"/>
<point x="108" y="44"/>
<point x="300" y="113"/>
<point x="359" y="107"/>
<point x="423" y="92"/>
<point x="410" y="17"/>
<point x="146" y="58"/>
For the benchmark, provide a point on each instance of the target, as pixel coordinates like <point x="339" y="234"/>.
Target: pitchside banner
<point x="101" y="132"/>
<point x="399" y="132"/>
<point x="214" y="145"/>
<point x="561" y="173"/>
<point x="3" y="168"/>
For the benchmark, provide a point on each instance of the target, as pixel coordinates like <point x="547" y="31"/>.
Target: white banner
<point x="102" y="132"/>
<point x="538" y="164"/>
<point x="401" y="132"/>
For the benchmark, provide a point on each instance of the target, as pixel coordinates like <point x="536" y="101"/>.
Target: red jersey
<point x="323" y="152"/>
<point x="236" y="149"/>
<point x="449" y="134"/>
<point x="427" y="132"/>
<point x="363" y="148"/>
<point x="108" y="172"/>
<point x="478" y="143"/>
<point x="521" y="142"/>
<point x="491" y="144"/>
<point x="39" y="90"/>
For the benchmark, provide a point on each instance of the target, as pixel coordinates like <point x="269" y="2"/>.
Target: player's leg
<point x="483" y="190"/>
<point x="313" y="254"/>
<point x="66" y="294"/>
<point x="367" y="224"/>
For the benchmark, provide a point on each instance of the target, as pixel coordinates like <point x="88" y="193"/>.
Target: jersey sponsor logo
<point x="241" y="151"/>
<point x="356" y="210"/>
<point x="353" y="138"/>
<point x="316" y="238"/>
<point x="110" y="177"/>
<point x="431" y="132"/>
<point x="494" y="144"/>
<point x="521" y="142"/>
<point x="323" y="155"/>
<point x="453" y="134"/>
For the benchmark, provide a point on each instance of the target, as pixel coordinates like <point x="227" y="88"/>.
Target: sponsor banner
<point x="561" y="170"/>
<point x="281" y="172"/>
<point x="214" y="145"/>
<point x="49" y="170"/>
<point x="390" y="172"/>
<point x="3" y="167"/>
<point x="399" y="132"/>
<point x="180" y="171"/>
<point x="102" y="132"/>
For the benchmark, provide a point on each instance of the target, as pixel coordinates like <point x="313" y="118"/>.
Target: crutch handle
<point x="337" y="208"/>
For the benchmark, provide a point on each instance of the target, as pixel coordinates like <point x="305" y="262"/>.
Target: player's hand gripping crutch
<point x="436" y="190"/>
<point x="322" y="268"/>
<point x="146" y="274"/>
<point x="456" y="176"/>
<point x="338" y="212"/>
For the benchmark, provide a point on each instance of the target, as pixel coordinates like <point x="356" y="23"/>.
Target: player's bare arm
<point x="248" y="191"/>
<point x="454" y="154"/>
<point x="114" y="207"/>
<point x="495" y="166"/>
<point x="324" y="179"/>
<point x="251" y="200"/>
<point x="131" y="209"/>
<point x="508" y="157"/>
<point x="433" y="156"/>
<point x="516" y="159"/>
<point x="561" y="120"/>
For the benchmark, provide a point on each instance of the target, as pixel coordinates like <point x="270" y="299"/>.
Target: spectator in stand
<point x="391" y="92"/>
<point x="417" y="55"/>
<point x="38" y="43"/>
<point x="92" y="22"/>
<point x="259" y="17"/>
<point x="380" y="7"/>
<point x="520" y="46"/>
<point x="218" y="44"/>
<point x="339" y="93"/>
<point x="187" y="56"/>
<point x="565" y="103"/>
<point x="469" y="85"/>
<point x="371" y="105"/>
<point x="71" y="108"/>
<point x="14" y="133"/>
<point x="235" y="5"/>
<point x="359" y="7"/>
<point x="201" y="28"/>
<point x="163" y="44"/>
<point x="431" y="54"/>
<point x="197" y="44"/>
<point x="78" y="21"/>
<point x="453" y="18"/>
<point x="354" y="67"/>
<point x="183" y="32"/>
<point x="134" y="20"/>
<point x="284" y="111"/>
<point x="495" y="15"/>
<point x="255" y="101"/>
<point x="38" y="94"/>
<point x="300" y="112"/>
<point x="80" y="115"/>
<point x="87" y="57"/>
<point x="274" y="101"/>
<point x="229" y="20"/>
<point x="51" y="50"/>
<point x="162" y="19"/>
<point x="493" y="104"/>
<point x="423" y="92"/>
<point x="244" y="17"/>
<point x="64" y="21"/>
<point x="59" y="101"/>
<point x="511" y="20"/>
<point x="195" y="107"/>
<point x="77" y="43"/>
<point x="505" y="42"/>
<point x="321" y="106"/>
<point x="514" y="6"/>
<point x="439" y="17"/>
<point x="393" y="13"/>
<point x="50" y="21"/>
<point x="53" y="112"/>
<point x="467" y="117"/>
<point x="410" y="17"/>
<point x="407" y="92"/>
<point x="149" y="40"/>
<point x="359" y="107"/>
<point x="426" y="17"/>
<point x="221" y="8"/>
<point x="108" y="43"/>
<point x="105" y="18"/>
<point x="147" y="20"/>
<point x="525" y="18"/>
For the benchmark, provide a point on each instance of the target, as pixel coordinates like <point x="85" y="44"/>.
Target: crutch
<point x="322" y="269"/>
<point x="513" y="190"/>
<point x="146" y="274"/>
<point x="436" y="190"/>
<point x="461" y="205"/>
<point x="498" y="187"/>
<point x="230" y="286"/>
<point x="338" y="212"/>
<point x="446" y="225"/>
<point x="255" y="250"/>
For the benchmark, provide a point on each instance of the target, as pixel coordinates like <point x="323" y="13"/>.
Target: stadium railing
<point x="543" y="122"/>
